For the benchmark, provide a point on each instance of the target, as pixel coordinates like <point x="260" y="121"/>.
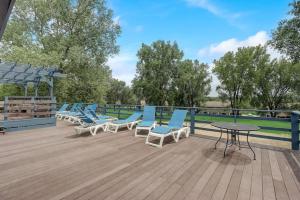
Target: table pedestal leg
<point x="250" y="145"/>
<point x="226" y="144"/>
<point x="219" y="139"/>
<point x="238" y="136"/>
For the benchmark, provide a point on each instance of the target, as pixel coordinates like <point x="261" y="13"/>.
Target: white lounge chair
<point x="91" y="125"/>
<point x="174" y="128"/>
<point x="129" y="122"/>
<point x="147" y="123"/>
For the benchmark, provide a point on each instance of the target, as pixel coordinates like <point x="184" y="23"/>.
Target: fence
<point x="285" y="125"/>
<point x="21" y="113"/>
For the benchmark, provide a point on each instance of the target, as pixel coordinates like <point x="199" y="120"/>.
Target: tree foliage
<point x="163" y="78"/>
<point x="156" y="69"/>
<point x="286" y="38"/>
<point x="119" y="93"/>
<point x="77" y="36"/>
<point x="192" y="83"/>
<point x="275" y="84"/>
<point x="236" y="73"/>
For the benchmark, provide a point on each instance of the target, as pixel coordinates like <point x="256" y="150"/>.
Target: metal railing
<point x="283" y="124"/>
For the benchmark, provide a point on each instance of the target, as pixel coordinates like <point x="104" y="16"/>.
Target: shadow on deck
<point x="53" y="163"/>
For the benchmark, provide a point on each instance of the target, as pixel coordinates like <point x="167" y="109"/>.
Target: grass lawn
<point x="266" y="123"/>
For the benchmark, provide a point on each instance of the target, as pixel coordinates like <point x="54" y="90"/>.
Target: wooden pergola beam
<point x="6" y="7"/>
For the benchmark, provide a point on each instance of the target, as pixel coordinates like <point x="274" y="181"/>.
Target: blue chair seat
<point x="100" y="121"/>
<point x="121" y="121"/>
<point x="103" y="117"/>
<point x="164" y="129"/>
<point x="145" y="123"/>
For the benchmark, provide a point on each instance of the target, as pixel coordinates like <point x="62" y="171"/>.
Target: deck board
<point x="52" y="163"/>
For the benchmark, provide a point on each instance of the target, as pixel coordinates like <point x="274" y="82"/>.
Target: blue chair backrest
<point x="178" y="118"/>
<point x="78" y="107"/>
<point x="149" y="113"/>
<point x="93" y="113"/>
<point x="93" y="107"/>
<point x="135" y="116"/>
<point x="73" y="108"/>
<point x="86" y="108"/>
<point x="64" y="107"/>
<point x="85" y="118"/>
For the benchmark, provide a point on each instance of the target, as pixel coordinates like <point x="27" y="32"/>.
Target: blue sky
<point x="203" y="29"/>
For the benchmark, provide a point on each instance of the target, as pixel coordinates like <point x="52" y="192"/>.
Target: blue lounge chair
<point x="75" y="116"/>
<point x="129" y="122"/>
<point x="174" y="128"/>
<point x="89" y="124"/>
<point x="64" y="115"/>
<point x="98" y="117"/>
<point x="148" y="121"/>
<point x="72" y="112"/>
<point x="62" y="109"/>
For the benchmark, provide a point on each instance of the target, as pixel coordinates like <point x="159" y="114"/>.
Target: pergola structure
<point x="23" y="74"/>
<point x="6" y="7"/>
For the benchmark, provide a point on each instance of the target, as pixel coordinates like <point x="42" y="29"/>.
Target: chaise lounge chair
<point x="73" y="111"/>
<point x="94" y="115"/>
<point x="75" y="117"/>
<point x="62" y="115"/>
<point x="174" y="128"/>
<point x="129" y="122"/>
<point x="62" y="110"/>
<point x="91" y="125"/>
<point x="148" y="121"/>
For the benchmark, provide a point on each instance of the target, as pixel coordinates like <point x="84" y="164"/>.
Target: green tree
<point x="192" y="83"/>
<point x="296" y="76"/>
<point x="156" y="72"/>
<point x="76" y="35"/>
<point x="286" y="38"/>
<point x="10" y="90"/>
<point x="119" y="93"/>
<point x="236" y="73"/>
<point x="274" y="84"/>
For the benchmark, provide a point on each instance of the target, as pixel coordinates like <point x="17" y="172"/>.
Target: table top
<point x="235" y="126"/>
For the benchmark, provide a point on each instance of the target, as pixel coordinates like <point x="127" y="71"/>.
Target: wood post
<point x="295" y="129"/>
<point x="160" y="116"/>
<point x="192" y="113"/>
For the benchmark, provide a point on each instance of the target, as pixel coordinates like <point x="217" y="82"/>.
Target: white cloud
<point x="123" y="66"/>
<point x="215" y="51"/>
<point x="205" y="4"/>
<point x="232" y="44"/>
<point x="215" y="10"/>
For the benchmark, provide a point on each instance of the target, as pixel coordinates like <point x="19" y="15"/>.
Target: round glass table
<point x="234" y="130"/>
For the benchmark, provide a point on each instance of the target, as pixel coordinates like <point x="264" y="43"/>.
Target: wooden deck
<point x="51" y="163"/>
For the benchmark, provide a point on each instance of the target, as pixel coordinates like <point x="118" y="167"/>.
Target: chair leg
<point x="108" y="128"/>
<point x="131" y="126"/>
<point x="176" y="139"/>
<point x="161" y="141"/>
<point x="97" y="128"/>
<point x="188" y="132"/>
<point x="92" y="131"/>
<point x="147" y="139"/>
